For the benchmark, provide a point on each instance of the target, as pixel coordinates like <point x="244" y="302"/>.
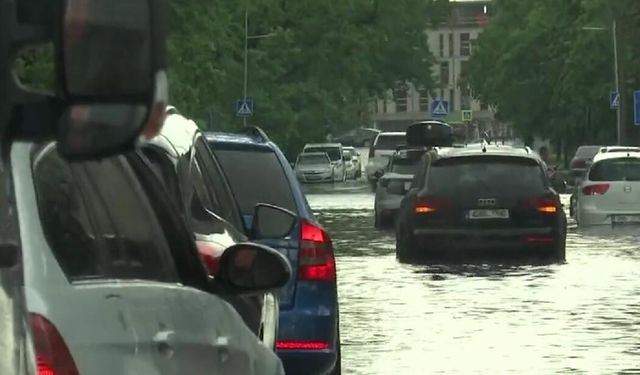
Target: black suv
<point x="488" y="201"/>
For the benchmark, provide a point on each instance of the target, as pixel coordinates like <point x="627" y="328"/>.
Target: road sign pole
<point x="617" y="78"/>
<point x="246" y="60"/>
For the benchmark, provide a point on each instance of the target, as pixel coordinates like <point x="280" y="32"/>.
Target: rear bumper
<point x="590" y="216"/>
<point x="307" y="177"/>
<point x="511" y="241"/>
<point x="313" y="317"/>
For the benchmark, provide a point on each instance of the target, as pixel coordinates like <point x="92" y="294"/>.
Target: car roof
<point x="314" y="154"/>
<point x="323" y="145"/>
<point x="176" y="136"/>
<point x="491" y="150"/>
<point x="382" y="134"/>
<point x="616" y="155"/>
<point x="348" y="148"/>
<point x="238" y="141"/>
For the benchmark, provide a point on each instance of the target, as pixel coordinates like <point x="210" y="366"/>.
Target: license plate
<point x="626" y="219"/>
<point x="488" y="214"/>
<point x="407" y="186"/>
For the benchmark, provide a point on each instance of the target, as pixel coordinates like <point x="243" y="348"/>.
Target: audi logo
<point x="486" y="202"/>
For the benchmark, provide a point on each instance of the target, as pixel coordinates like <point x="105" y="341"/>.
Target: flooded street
<point x="579" y="317"/>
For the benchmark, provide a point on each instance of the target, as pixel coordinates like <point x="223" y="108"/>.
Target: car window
<point x="313" y="159"/>
<point x="249" y="171"/>
<point x="164" y="169"/>
<point x="468" y="174"/>
<point x="587" y="152"/>
<point x="226" y="206"/>
<point x="389" y="141"/>
<point x="333" y="152"/>
<point x="135" y="245"/>
<point x="64" y="217"/>
<point x="405" y="165"/>
<point x="619" y="169"/>
<point x="97" y="220"/>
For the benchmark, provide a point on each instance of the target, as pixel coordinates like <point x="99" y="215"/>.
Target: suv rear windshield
<point x="619" y="169"/>
<point x="468" y="174"/>
<point x="256" y="176"/>
<point x="333" y="152"/>
<point x="587" y="152"/>
<point x="405" y="165"/>
<point x="389" y="141"/>
<point x="313" y="159"/>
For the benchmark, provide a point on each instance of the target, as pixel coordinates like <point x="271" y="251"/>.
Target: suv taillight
<point x="546" y="204"/>
<point x="598" y="189"/>
<point x="316" y="259"/>
<point x="426" y="205"/>
<point x="52" y="354"/>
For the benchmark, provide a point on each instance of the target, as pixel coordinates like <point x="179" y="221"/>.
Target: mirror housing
<point x="271" y="222"/>
<point x="249" y="268"/>
<point x="110" y="64"/>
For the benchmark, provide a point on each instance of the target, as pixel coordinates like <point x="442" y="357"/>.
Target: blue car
<point x="258" y="172"/>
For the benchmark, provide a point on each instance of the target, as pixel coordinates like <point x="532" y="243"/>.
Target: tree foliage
<point x="549" y="76"/>
<point x="317" y="73"/>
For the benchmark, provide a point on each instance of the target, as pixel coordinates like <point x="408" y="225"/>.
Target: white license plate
<point x="488" y="214"/>
<point x="407" y="186"/>
<point x="626" y="219"/>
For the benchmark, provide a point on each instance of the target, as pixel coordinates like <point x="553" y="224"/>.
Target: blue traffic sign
<point x="614" y="100"/>
<point x="244" y="107"/>
<point x="439" y="108"/>
<point x="636" y="108"/>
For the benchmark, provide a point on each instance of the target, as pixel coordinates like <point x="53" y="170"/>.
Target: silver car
<point x="610" y="192"/>
<point x="393" y="184"/>
<point x="315" y="167"/>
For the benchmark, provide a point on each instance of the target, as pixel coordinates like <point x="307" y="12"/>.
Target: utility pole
<point x="614" y="28"/>
<point x="246" y="60"/>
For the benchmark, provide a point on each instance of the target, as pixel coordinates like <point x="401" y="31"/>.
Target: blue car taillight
<point x="316" y="257"/>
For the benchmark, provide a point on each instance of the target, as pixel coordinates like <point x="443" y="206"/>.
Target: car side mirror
<point x="9" y="254"/>
<point x="110" y="61"/>
<point x="249" y="268"/>
<point x="271" y="222"/>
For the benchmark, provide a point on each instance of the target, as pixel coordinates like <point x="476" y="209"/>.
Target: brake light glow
<point x="316" y="258"/>
<point x="429" y="205"/>
<point x="302" y="345"/>
<point x="540" y="239"/>
<point x="599" y="189"/>
<point x="547" y="205"/>
<point x="579" y="164"/>
<point x="52" y="354"/>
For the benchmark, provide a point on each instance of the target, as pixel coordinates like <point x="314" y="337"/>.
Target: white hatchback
<point x="610" y="192"/>
<point x="382" y="149"/>
<point x="111" y="288"/>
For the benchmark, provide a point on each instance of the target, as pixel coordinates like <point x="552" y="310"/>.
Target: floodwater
<point x="582" y="317"/>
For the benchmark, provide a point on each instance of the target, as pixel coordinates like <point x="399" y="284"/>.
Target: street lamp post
<point x="246" y="56"/>
<point x="616" y="72"/>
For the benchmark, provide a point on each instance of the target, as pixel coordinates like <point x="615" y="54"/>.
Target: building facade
<point x="452" y="44"/>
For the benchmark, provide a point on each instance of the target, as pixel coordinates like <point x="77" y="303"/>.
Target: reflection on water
<point x="578" y="317"/>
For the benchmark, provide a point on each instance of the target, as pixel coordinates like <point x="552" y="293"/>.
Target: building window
<point x="400" y="98"/>
<point x="484" y="106"/>
<point x="465" y="44"/>
<point x="441" y="45"/>
<point x="451" y="50"/>
<point x="464" y="66"/>
<point x="452" y="100"/>
<point x="444" y="73"/>
<point x="424" y="100"/>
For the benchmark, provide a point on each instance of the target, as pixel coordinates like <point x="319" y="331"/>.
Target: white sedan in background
<point x="610" y="192"/>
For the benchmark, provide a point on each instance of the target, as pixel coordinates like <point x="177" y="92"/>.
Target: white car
<point x="314" y="167"/>
<point x="353" y="163"/>
<point x="382" y="149"/>
<point x="335" y="152"/>
<point x="610" y="191"/>
<point x="112" y="278"/>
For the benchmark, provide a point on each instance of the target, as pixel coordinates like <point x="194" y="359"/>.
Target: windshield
<point x="389" y="141"/>
<point x="405" y="166"/>
<point x="333" y="152"/>
<point x="619" y="169"/>
<point x="468" y="174"/>
<point x="313" y="159"/>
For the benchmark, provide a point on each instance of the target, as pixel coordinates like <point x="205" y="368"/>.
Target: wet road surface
<point x="582" y="317"/>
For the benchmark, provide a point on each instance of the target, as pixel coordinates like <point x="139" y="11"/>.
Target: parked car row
<point x="141" y="263"/>
<point x="327" y="162"/>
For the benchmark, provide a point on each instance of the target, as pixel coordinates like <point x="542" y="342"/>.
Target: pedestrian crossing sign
<point x="244" y="107"/>
<point x="467" y="115"/>
<point x="440" y="108"/>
